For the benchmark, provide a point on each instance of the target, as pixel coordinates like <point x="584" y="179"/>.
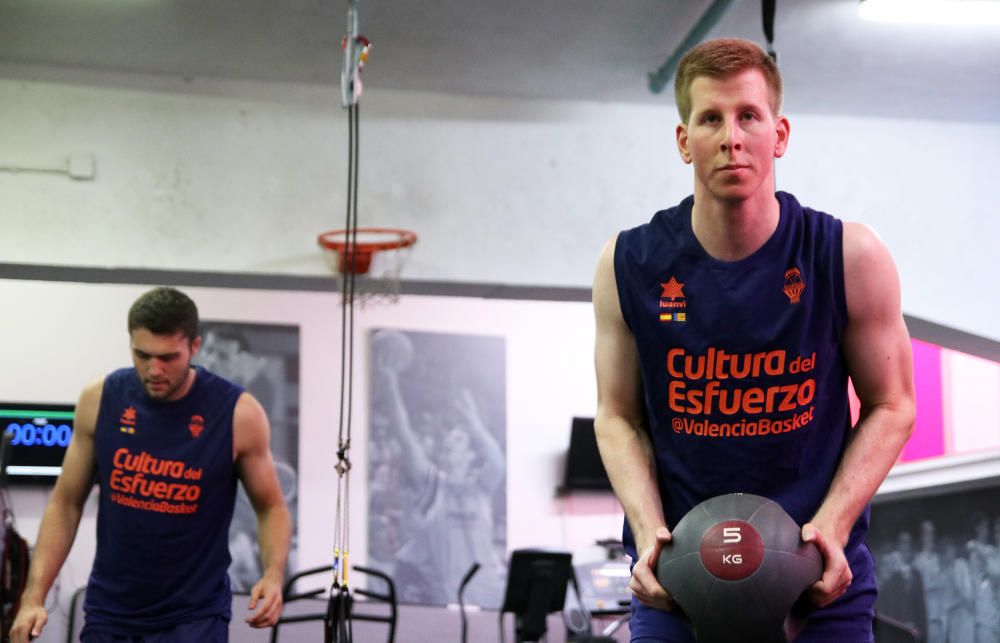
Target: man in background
<point x="166" y="441"/>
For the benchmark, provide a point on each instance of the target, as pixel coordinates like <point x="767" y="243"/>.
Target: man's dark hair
<point x="164" y="311"/>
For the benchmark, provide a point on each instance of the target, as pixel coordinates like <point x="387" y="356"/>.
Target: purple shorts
<point x="214" y="629"/>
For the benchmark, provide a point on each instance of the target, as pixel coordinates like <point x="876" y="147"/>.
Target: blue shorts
<point x="214" y="629"/>
<point x="846" y="620"/>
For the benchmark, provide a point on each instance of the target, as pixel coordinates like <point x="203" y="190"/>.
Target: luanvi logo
<point x="672" y="301"/>
<point x="673" y="289"/>
<point x="127" y="421"/>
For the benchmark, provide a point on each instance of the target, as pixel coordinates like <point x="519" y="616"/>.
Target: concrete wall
<point x="237" y="177"/>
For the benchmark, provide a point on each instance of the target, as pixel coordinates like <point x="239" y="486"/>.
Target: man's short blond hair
<point x="721" y="58"/>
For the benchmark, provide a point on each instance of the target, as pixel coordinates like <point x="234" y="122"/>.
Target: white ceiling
<point x="602" y="50"/>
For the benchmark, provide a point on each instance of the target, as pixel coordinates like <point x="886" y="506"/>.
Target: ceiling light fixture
<point x="932" y="12"/>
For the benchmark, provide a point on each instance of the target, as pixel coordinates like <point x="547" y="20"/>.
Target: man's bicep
<point x="77" y="475"/>
<point x="876" y="342"/>
<point x="254" y="463"/>
<point x="618" y="380"/>
<point x="616" y="360"/>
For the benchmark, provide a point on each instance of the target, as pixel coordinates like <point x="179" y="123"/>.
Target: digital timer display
<point x="39" y="432"/>
<point x="36" y="437"/>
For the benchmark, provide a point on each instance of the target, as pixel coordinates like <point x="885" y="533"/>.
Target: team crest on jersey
<point x="794" y="285"/>
<point x="127" y="421"/>
<point x="673" y="303"/>
<point x="196" y="425"/>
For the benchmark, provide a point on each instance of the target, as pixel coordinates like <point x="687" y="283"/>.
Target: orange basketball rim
<point x="356" y="255"/>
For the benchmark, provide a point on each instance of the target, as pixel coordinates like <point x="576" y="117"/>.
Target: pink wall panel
<point x="928" y="439"/>
<point x="971" y="388"/>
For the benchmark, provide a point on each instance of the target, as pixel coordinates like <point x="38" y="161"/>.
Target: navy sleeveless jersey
<point x="745" y="385"/>
<point x="167" y="489"/>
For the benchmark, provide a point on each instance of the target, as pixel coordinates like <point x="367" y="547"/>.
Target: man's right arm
<point x="622" y="438"/>
<point x="61" y="518"/>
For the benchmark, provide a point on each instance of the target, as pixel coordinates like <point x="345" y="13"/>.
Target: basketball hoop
<point x="375" y="257"/>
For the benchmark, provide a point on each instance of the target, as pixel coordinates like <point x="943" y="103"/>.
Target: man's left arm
<point x="879" y="358"/>
<point x="251" y="444"/>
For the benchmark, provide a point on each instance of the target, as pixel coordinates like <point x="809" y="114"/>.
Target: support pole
<point x="662" y="76"/>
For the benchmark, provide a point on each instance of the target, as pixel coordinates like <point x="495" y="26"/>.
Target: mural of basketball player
<point x="260" y="367"/>
<point x="452" y="473"/>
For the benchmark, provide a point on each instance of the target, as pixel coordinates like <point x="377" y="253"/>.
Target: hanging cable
<point x="337" y="623"/>
<point x="767" y="10"/>
<point x="338" y="629"/>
